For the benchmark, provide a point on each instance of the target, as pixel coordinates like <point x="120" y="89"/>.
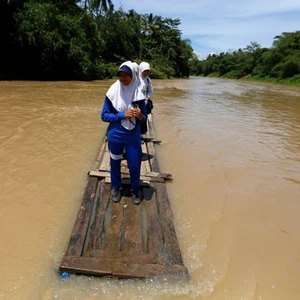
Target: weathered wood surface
<point x="122" y="239"/>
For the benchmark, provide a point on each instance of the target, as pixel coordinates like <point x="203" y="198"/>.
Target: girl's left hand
<point x="137" y="113"/>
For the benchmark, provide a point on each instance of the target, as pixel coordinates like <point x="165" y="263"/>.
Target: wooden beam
<point x="78" y="236"/>
<point x="155" y="177"/>
<point x="151" y="139"/>
<point x="94" y="266"/>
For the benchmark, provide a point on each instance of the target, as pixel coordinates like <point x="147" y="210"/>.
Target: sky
<point x="215" y="26"/>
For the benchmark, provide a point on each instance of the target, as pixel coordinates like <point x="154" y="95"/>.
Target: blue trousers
<point x="134" y="159"/>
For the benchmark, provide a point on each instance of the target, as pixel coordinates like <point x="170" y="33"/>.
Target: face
<point x="146" y="73"/>
<point x="124" y="78"/>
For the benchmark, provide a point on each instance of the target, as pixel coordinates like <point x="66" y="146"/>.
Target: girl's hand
<point x="133" y="112"/>
<point x="129" y="113"/>
<point x="137" y="113"/>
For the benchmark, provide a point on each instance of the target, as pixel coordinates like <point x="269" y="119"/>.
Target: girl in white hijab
<point x="124" y="108"/>
<point x="147" y="90"/>
<point x="144" y="73"/>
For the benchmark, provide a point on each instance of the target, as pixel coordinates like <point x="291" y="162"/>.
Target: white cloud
<point x="221" y="35"/>
<point x="218" y="25"/>
<point x="211" y="8"/>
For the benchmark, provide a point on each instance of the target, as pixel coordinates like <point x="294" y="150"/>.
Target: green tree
<point x="55" y="44"/>
<point x="70" y="39"/>
<point x="287" y="41"/>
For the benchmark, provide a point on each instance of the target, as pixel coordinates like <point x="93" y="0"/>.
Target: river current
<point x="233" y="148"/>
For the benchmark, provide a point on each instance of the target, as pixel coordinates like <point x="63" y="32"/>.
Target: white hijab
<point x="136" y="69"/>
<point x="143" y="67"/>
<point x="122" y="97"/>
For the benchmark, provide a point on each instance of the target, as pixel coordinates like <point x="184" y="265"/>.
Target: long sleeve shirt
<point x="116" y="132"/>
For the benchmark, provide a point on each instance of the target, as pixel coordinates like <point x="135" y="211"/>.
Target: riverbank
<point x="293" y="81"/>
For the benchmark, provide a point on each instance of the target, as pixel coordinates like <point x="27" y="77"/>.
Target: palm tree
<point x="98" y="6"/>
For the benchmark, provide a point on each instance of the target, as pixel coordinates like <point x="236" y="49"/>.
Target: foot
<point x="115" y="195"/>
<point x="135" y="198"/>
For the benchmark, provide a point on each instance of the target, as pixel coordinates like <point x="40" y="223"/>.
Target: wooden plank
<point x="151" y="139"/>
<point x="99" y="174"/>
<point x="108" y="255"/>
<point x="94" y="266"/>
<point x="98" y="233"/>
<point x="105" y="164"/>
<point x="124" y="167"/>
<point x="152" y="174"/>
<point x="136" y="270"/>
<point x="155" y="177"/>
<point x="86" y="265"/>
<point x="171" y="245"/>
<point x="78" y="236"/>
<point x="154" y="166"/>
<point x="132" y="243"/>
<point x="126" y="181"/>
<point x="115" y="229"/>
<point x="100" y="155"/>
<point x="153" y="236"/>
<point x="145" y="161"/>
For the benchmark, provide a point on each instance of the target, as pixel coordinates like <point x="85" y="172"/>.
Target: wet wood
<point x="122" y="239"/>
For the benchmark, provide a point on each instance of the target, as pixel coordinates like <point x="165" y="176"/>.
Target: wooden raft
<point x="122" y="239"/>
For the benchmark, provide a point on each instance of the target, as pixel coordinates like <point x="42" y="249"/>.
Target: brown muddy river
<point x="233" y="148"/>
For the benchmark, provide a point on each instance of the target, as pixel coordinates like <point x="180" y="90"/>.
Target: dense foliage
<point x="88" y="39"/>
<point x="70" y="39"/>
<point x="280" y="63"/>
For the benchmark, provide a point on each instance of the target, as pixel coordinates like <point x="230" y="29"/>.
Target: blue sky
<point x="215" y="26"/>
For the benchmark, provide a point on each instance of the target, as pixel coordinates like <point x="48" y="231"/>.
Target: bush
<point x="106" y="70"/>
<point x="234" y="74"/>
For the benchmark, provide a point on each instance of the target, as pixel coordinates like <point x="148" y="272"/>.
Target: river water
<point x="233" y="148"/>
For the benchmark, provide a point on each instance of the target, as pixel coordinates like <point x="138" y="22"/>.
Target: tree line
<point x="280" y="63"/>
<point x="86" y="40"/>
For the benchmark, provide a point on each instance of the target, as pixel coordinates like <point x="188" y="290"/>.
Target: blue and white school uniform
<point x="124" y="133"/>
